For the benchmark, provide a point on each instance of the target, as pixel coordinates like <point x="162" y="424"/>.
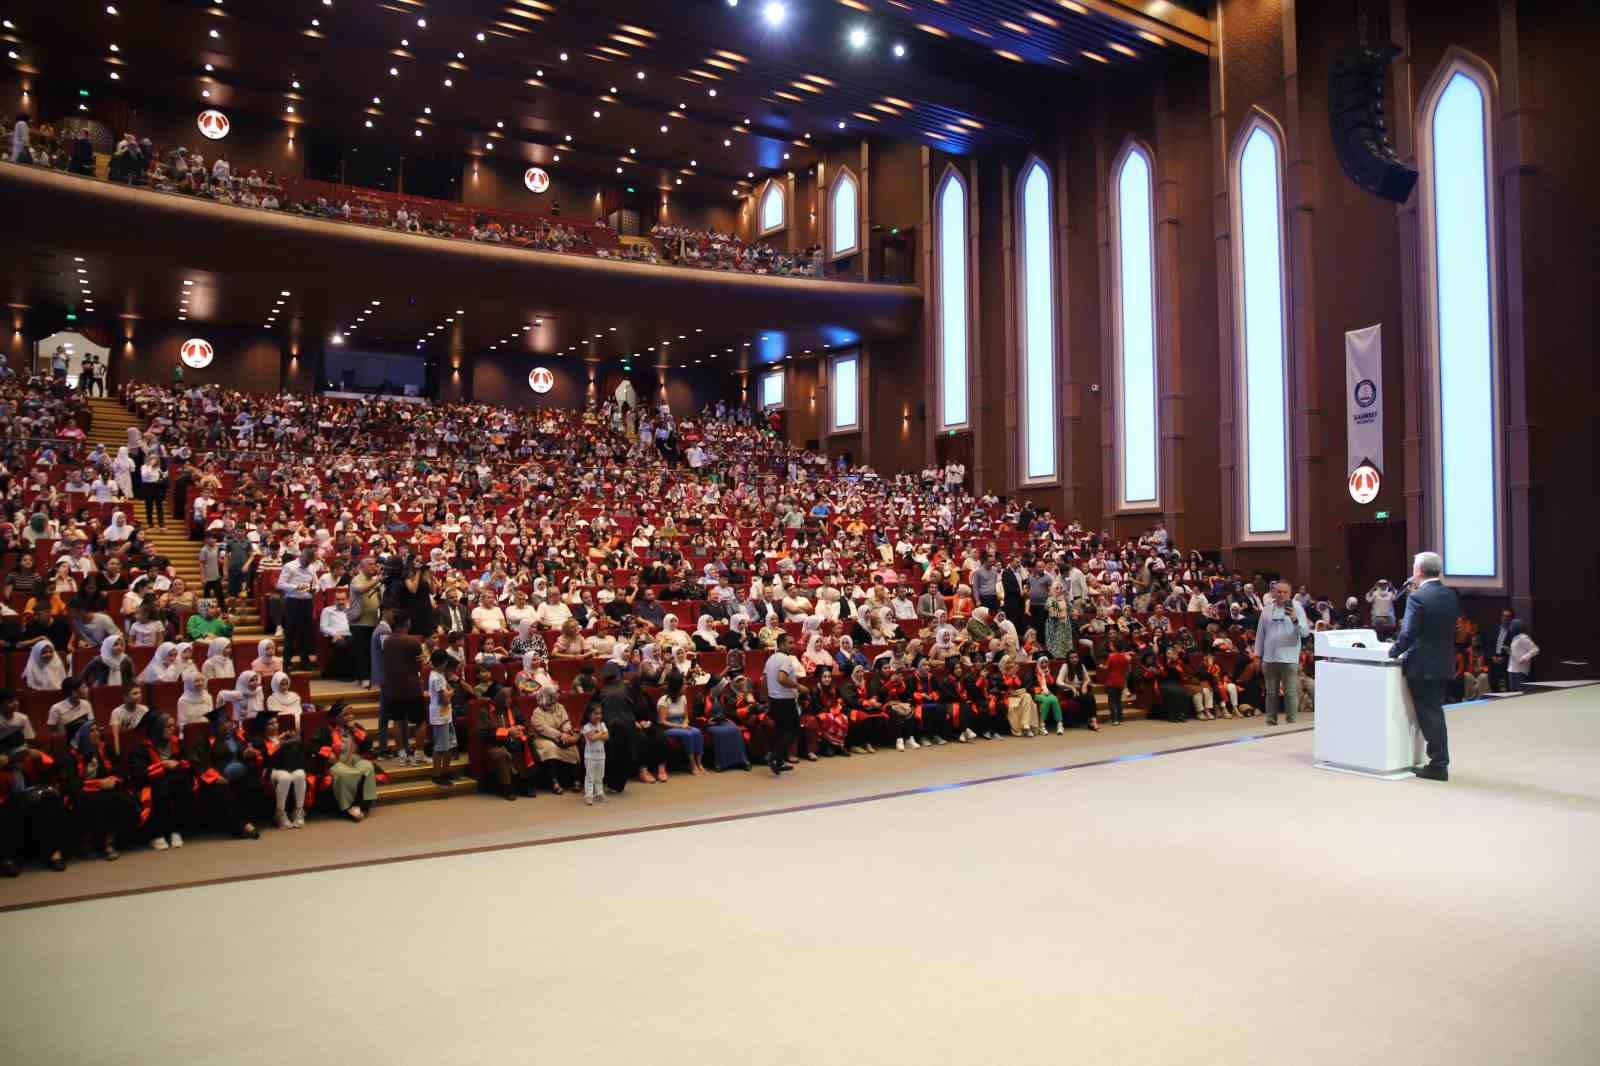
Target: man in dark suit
<point x="1426" y="647"/>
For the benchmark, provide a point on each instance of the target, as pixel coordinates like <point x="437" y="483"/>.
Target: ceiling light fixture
<point x="859" y="38"/>
<point x="774" y="13"/>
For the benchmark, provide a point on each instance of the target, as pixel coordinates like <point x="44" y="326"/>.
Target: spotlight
<point x="899" y="50"/>
<point x="859" y="38"/>
<point x="774" y="13"/>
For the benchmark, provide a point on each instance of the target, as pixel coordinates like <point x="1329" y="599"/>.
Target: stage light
<point x="859" y="38"/>
<point x="899" y="50"/>
<point x="774" y="13"/>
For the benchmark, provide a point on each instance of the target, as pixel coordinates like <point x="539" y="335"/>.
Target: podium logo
<point x="196" y="353"/>
<point x="1364" y="483"/>
<point x="536" y="180"/>
<point x="540" y="380"/>
<point x="213" y="125"/>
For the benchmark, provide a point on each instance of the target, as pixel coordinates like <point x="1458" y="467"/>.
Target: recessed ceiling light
<point x="726" y="143"/>
<point x="563" y="57"/>
<point x="369" y="123"/>
<point x="294" y="85"/>
<point x="481" y="38"/>
<point x="663" y="127"/>
<point x="115" y="76"/>
<point x="556" y="158"/>
<point x="679" y="181"/>
<point x="375" y="100"/>
<point x="711" y="92"/>
<point x="394" y="72"/>
<point x="448" y="83"/>
<point x="597" y="113"/>
<point x="213" y="34"/>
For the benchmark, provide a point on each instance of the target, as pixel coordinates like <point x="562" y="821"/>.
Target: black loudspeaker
<point x="1356" y="117"/>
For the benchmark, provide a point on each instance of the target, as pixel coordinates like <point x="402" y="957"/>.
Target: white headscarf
<point x="282" y="700"/>
<point x="44" y="676"/>
<point x="219" y="659"/>
<point x="163" y="666"/>
<point x="704" y="629"/>
<point x="113" y="662"/>
<point x="246" y="704"/>
<point x="119" y="530"/>
<point x="195" y="702"/>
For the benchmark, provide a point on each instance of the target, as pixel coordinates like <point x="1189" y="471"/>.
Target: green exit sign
<point x="72" y="316"/>
<point x="1382" y="516"/>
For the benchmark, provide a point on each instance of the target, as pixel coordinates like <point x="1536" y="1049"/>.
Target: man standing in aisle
<point x="783" y="689"/>
<point x="1279" y="631"/>
<point x="1426" y="648"/>
<point x="297" y="581"/>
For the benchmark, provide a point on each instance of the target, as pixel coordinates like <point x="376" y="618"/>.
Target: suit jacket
<point x="1428" y="632"/>
<point x="1011" y="592"/>
<point x="453" y="617"/>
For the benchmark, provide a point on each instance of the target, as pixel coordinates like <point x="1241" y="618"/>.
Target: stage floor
<point x="1225" y="904"/>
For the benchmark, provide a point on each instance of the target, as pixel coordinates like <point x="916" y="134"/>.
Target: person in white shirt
<point x="487" y="617"/>
<point x="1520" y="653"/>
<point x="552" y="613"/>
<point x="296" y="582"/>
<point x="334" y="624"/>
<point x="520" y="610"/>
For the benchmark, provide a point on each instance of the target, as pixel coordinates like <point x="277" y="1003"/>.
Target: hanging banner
<point x="1363" y="398"/>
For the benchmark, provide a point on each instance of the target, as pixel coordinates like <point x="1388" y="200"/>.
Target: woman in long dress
<point x="1058" y="623"/>
<point x="122" y="474"/>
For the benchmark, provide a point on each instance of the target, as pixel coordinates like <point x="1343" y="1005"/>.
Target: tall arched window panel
<point x="773" y="208"/>
<point x="1133" y="214"/>
<point x="1263" y="363"/>
<point x="1458" y="207"/>
<point x="844" y="216"/>
<point x="951" y="244"/>
<point x="1036" y="271"/>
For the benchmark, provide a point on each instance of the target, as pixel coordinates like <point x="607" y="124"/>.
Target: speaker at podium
<point x="1365" y="722"/>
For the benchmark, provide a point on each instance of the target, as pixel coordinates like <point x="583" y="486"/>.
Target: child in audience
<point x="594" y="756"/>
<point x="441" y="716"/>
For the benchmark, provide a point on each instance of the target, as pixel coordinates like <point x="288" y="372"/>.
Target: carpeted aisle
<point x="1223" y="905"/>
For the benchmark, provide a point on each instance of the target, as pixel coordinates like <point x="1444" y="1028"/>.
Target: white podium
<point x="1365" y="723"/>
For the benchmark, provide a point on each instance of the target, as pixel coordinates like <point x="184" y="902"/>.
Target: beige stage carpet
<point x="1224" y="905"/>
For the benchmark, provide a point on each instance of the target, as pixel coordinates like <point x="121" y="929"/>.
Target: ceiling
<point x="717" y="91"/>
<point x="85" y="245"/>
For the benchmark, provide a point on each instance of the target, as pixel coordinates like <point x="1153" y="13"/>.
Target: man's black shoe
<point x="1433" y="773"/>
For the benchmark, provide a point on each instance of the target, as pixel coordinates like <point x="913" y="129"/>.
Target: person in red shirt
<point x="1117" y="664"/>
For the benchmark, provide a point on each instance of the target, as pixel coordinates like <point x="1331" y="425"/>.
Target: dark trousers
<point x="298" y="638"/>
<point x="990" y="601"/>
<point x="1038" y="615"/>
<point x="215" y="590"/>
<point x="1427" y="699"/>
<point x="361" y="637"/>
<point x="155" y="505"/>
<point x="785" y="717"/>
<point x="1114" y="698"/>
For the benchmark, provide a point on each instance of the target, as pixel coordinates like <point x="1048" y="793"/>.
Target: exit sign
<point x="1381" y="516"/>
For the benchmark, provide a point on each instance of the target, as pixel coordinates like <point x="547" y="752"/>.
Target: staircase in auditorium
<point x="110" y="428"/>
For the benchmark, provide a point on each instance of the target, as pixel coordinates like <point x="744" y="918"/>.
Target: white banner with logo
<point x="1363" y="397"/>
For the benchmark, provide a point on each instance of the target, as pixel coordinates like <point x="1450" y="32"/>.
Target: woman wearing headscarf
<point x="705" y="636"/>
<point x="46" y="669"/>
<point x="245" y="698"/>
<point x="847" y="658"/>
<point x="1058" y="622"/>
<point x="671" y="636"/>
<point x="112" y="666"/>
<point x="869" y="722"/>
<point x="266" y="663"/>
<point x="726" y="704"/>
<point x="1022" y="714"/>
<point x="194" y="704"/>
<point x="978" y="626"/>
<point x="616" y="705"/>
<point x="100" y="807"/>
<point x="163" y="666"/>
<point x="340" y="748"/>
<point x="122" y="472"/>
<point x="282" y="700"/>
<point x="219" y="660"/>
<point x="117" y="532"/>
<point x="533" y="676"/>
<point x="555" y="740"/>
<point x="817" y="657"/>
<point x="528" y="639"/>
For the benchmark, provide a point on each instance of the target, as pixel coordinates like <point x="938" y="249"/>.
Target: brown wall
<point x="246" y="361"/>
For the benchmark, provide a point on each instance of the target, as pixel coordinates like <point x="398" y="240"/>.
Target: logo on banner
<point x="540" y="379"/>
<point x="1364" y="483"/>
<point x="196" y="353"/>
<point x="213" y="125"/>
<point x="1366" y="393"/>
<point x="536" y="180"/>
